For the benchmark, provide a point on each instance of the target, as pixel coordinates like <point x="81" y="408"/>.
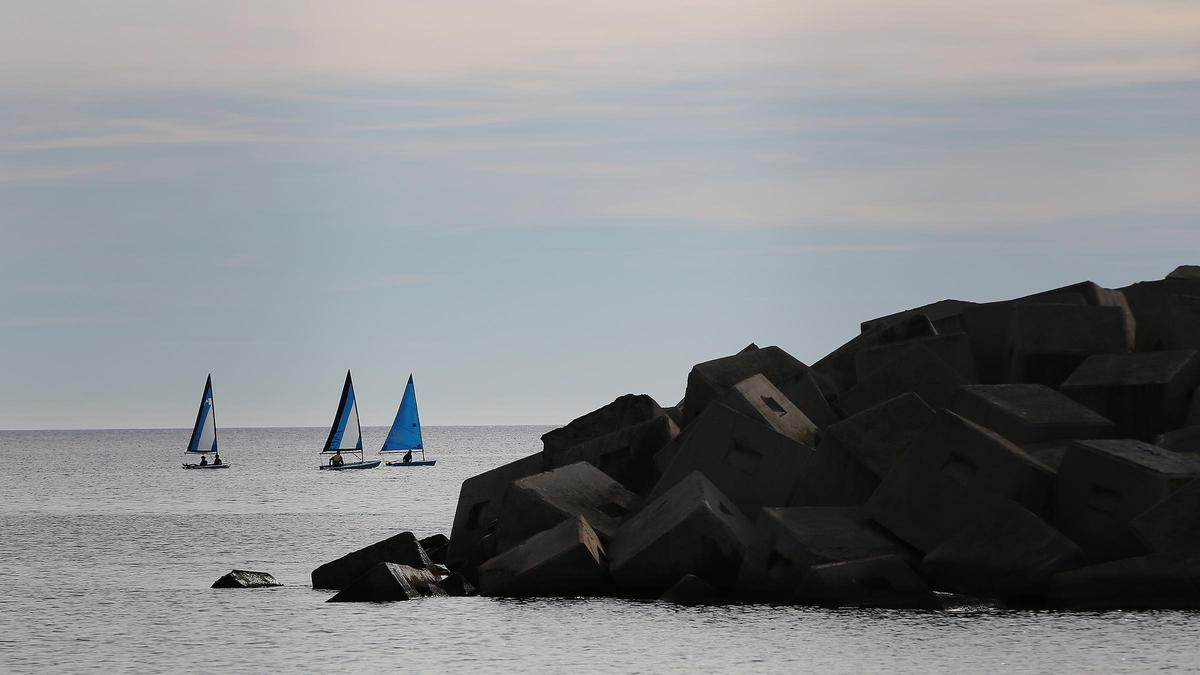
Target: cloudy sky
<point x="538" y="206"/>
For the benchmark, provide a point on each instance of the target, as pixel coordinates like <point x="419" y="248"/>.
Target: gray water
<point x="108" y="548"/>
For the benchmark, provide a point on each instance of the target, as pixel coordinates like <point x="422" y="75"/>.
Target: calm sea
<point x="107" y="549"/>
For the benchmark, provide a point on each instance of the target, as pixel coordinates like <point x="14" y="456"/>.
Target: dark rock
<point x="1179" y="322"/>
<point x="1189" y="272"/>
<point x="1173" y="524"/>
<point x="1047" y="342"/>
<point x="565" y="560"/>
<point x="691" y="529"/>
<point x="245" y="579"/>
<point x="954" y="349"/>
<point x="710" y="380"/>
<point x="1143" y="582"/>
<point x="857" y="452"/>
<point x="1102" y="485"/>
<point x="838" y="367"/>
<point x="915" y="369"/>
<point x="1006" y="553"/>
<point x="806" y="393"/>
<point x="541" y="501"/>
<point x="954" y="472"/>
<point x="884" y="581"/>
<point x="1157" y="316"/>
<point x="1030" y="413"/>
<point x="692" y="590"/>
<point x="1050" y="454"/>
<point x="627" y="455"/>
<point x="387" y="582"/>
<point x="457" y="586"/>
<point x="1144" y="394"/>
<point x="402" y="548"/>
<point x="478" y="507"/>
<point x="626" y="411"/>
<point x="1185" y="440"/>
<point x="435" y="546"/>
<point x="746" y="460"/>
<point x="756" y="397"/>
<point x="945" y="315"/>
<point x="788" y="541"/>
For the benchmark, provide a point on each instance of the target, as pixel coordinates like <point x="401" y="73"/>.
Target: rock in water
<point x="456" y="585"/>
<point x="884" y="581"/>
<point x="565" y="560"/>
<point x="435" y="546"/>
<point x="472" y="540"/>
<point x="386" y="581"/>
<point x="402" y="548"/>
<point x="245" y="579"/>
<point x="692" y="590"/>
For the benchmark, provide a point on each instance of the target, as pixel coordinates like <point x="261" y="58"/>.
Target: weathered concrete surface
<point x="885" y="581"/>
<point x="745" y="459"/>
<point x="788" y="541"/>
<point x="756" y="397"/>
<point x="710" y="380"/>
<point x="1185" y="440"/>
<point x="1006" y="552"/>
<point x="857" y="452"/>
<point x="1047" y="342"/>
<point x="627" y="455"/>
<point x="806" y="393"/>
<point x="1030" y="413"/>
<point x="692" y="590"/>
<point x="1173" y="524"/>
<point x="945" y="315"/>
<point x="954" y="349"/>
<point x="1144" y="394"/>
<point x="913" y="368"/>
<point x="478" y="507"/>
<point x="245" y="579"/>
<point x="457" y="586"/>
<point x="691" y="529"/>
<point x="402" y="548"/>
<point x="1103" y="485"/>
<point x="387" y="582"/>
<point x="838" y="367"/>
<point x="954" y="472"/>
<point x="541" y="501"/>
<point x="435" y="546"/>
<point x="1143" y="582"/>
<point x="565" y="560"/>
<point x="625" y="411"/>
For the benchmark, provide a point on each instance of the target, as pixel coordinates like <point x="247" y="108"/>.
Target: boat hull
<point x="350" y="465"/>
<point x="206" y="466"/>
<point x="415" y="462"/>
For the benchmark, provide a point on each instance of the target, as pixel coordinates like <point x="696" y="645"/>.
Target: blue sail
<point x="406" y="429"/>
<point x="204" y="435"/>
<point x="346" y="433"/>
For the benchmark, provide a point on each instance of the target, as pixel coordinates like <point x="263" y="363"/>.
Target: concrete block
<point x="915" y="369"/>
<point x="748" y="461"/>
<point x="1188" y="272"/>
<point x="756" y="397"/>
<point x="1103" y="485"/>
<point x="807" y="394"/>
<point x="691" y="529"/>
<point x="565" y="560"/>
<point x="1179" y="323"/>
<point x="1144" y="394"/>
<point x="945" y="315"/>
<point x="838" y="367"/>
<point x="788" y="541"/>
<point x="692" y="590"/>
<point x="245" y="579"/>
<point x="478" y="507"/>
<point x="402" y="548"/>
<point x="1148" y="300"/>
<point x="884" y="582"/>
<point x="627" y="454"/>
<point x="457" y="586"/>
<point x="541" y="501"/>
<point x="435" y="547"/>
<point x="1136" y="583"/>
<point x="857" y="452"/>
<point x="1005" y="553"/>
<point x="955" y="471"/>
<point x="710" y="380"/>
<point x="953" y="348"/>
<point x="1030" y="413"/>
<point x="1046" y="342"/>
<point x="1173" y="524"/>
<point x="626" y="411"/>
<point x="1185" y="440"/>
<point x="387" y="582"/>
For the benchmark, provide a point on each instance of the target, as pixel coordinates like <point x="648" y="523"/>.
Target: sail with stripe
<point x="346" y="433"/>
<point x="204" y="435"/>
<point x="406" y="429"/>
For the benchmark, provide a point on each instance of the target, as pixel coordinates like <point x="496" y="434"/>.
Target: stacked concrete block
<point x="541" y="501"/>
<point x="436" y="546"/>
<point x="692" y="590"/>
<point x="883" y="581"/>
<point x="953" y="348"/>
<point x="690" y="529"/>
<point x="565" y="560"/>
<point x="838" y="367"/>
<point x="914" y="368"/>
<point x="472" y="538"/>
<point x="756" y="397"/>
<point x="1047" y="342"/>
<point x="626" y="411"/>
<point x="955" y="472"/>
<point x="402" y="548"/>
<point x="1030" y="413"/>
<point x="1103" y="485"/>
<point x="945" y="315"/>
<point x="1141" y="582"/>
<point x="1185" y="440"/>
<point x="805" y="392"/>
<point x="747" y="460"/>
<point x="388" y="582"/>
<point x="1144" y="394"/>
<point x="1172" y="526"/>
<point x="710" y="380"/>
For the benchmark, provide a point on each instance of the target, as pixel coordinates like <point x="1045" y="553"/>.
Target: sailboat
<point x="405" y="435"/>
<point x="204" y="435"/>
<point x="346" y="434"/>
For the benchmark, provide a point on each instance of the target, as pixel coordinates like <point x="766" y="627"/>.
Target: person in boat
<point x="203" y="460"/>
<point x="336" y="460"/>
<point x="217" y="460"/>
<point x="407" y="457"/>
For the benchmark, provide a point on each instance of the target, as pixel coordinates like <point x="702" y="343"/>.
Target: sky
<point x="535" y="207"/>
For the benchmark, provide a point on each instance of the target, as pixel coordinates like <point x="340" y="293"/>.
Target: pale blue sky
<point x="536" y="207"/>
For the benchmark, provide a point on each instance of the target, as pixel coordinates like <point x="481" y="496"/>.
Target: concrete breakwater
<point x="1042" y="451"/>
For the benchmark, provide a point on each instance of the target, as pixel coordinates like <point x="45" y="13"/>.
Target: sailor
<point x="203" y="460"/>
<point x="217" y="460"/>
<point x="336" y="460"/>
<point x="408" y="456"/>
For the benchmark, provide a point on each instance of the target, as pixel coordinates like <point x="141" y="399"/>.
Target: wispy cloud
<point x="120" y="133"/>
<point x="53" y="173"/>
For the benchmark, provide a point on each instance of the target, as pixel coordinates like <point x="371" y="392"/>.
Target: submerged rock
<point x="387" y="581"/>
<point x="402" y="548"/>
